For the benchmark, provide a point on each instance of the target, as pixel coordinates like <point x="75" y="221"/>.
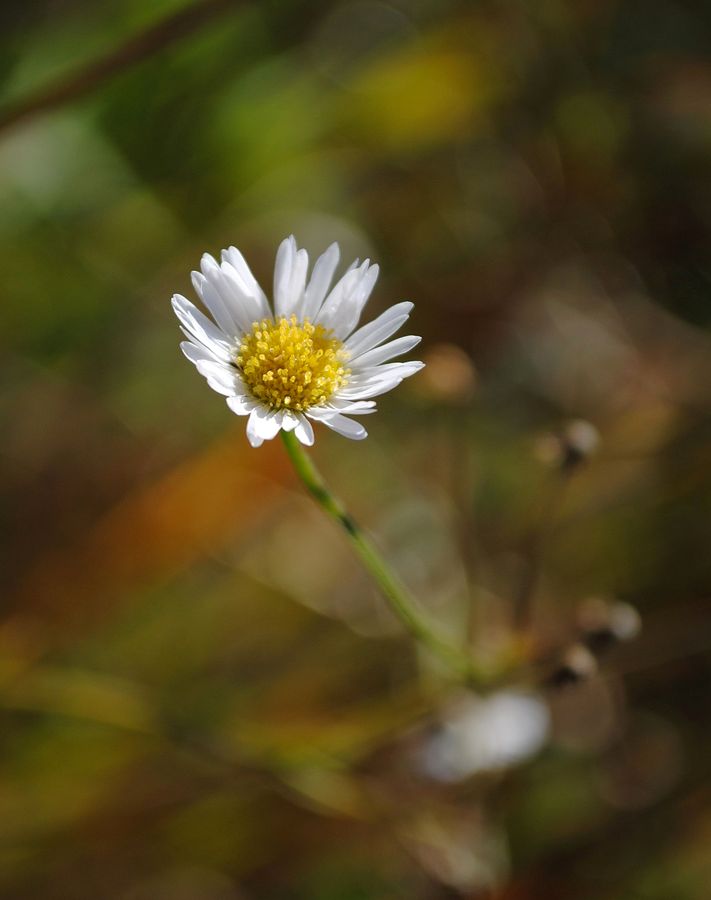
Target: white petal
<point x="245" y="306"/>
<point x="330" y="310"/>
<point x="353" y="408"/>
<point x="358" y="300"/>
<point x="290" y="421"/>
<point x="283" y="265"/>
<point x="223" y="379"/>
<point x="217" y="307"/>
<point x="399" y="369"/>
<point x="379" y="329"/>
<point x="252" y="434"/>
<point x="378" y="380"/>
<point x="219" y="386"/>
<point x="321" y="277"/>
<point x="227" y="315"/>
<point x="265" y="423"/>
<point x="371" y="390"/>
<point x="242" y="406"/>
<point x="343" y="425"/>
<point x="196" y="352"/>
<point x="201" y="329"/>
<point x="270" y="425"/>
<point x="343" y="306"/>
<point x="304" y="431"/>
<point x="244" y="274"/>
<point x="289" y="278"/>
<point x="255" y="306"/>
<point x="385" y="352"/>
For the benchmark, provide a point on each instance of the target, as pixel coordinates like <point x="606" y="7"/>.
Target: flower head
<point x="302" y="360"/>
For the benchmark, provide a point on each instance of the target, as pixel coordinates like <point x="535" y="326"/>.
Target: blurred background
<point x="201" y="695"/>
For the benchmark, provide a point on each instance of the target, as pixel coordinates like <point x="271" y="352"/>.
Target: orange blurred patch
<point x="155" y="532"/>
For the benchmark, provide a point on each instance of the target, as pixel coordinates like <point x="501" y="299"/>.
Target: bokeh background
<point x="202" y="697"/>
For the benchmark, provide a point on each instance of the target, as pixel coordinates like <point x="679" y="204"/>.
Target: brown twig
<point x="571" y="448"/>
<point x="136" y="49"/>
<point x="534" y="547"/>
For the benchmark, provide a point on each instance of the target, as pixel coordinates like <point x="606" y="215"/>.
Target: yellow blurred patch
<point x="424" y="94"/>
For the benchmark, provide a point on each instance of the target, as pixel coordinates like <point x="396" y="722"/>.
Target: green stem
<point x="397" y="595"/>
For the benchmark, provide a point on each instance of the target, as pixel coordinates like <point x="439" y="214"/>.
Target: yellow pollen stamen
<point x="291" y="364"/>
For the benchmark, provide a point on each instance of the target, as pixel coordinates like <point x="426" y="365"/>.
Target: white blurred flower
<point x="482" y="734"/>
<point x="303" y="359"/>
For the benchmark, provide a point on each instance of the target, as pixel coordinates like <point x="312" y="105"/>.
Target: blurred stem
<point x="461" y="490"/>
<point x="394" y="591"/>
<point x="534" y="550"/>
<point x="137" y="48"/>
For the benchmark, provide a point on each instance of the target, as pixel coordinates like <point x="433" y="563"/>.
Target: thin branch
<point x="534" y="548"/>
<point x="394" y="591"/>
<point x="136" y="49"/>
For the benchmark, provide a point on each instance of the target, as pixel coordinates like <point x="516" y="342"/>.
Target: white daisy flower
<point x="302" y="360"/>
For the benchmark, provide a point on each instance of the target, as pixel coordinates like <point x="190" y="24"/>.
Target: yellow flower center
<point x="289" y="364"/>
